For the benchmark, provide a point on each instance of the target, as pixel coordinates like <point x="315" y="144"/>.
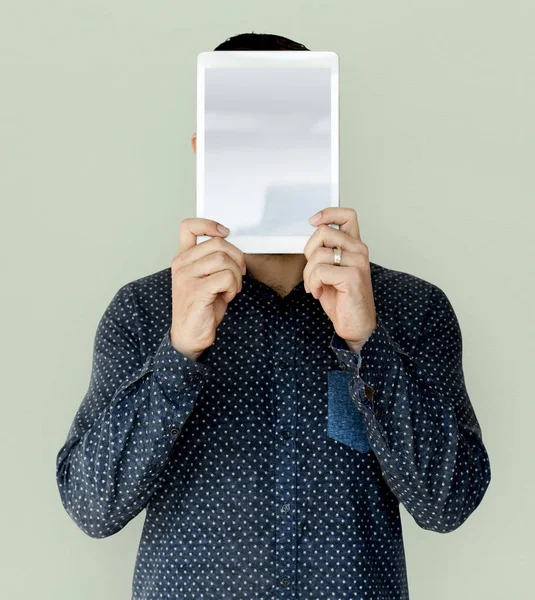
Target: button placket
<point x="285" y="401"/>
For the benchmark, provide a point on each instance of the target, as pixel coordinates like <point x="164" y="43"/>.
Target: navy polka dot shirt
<point x="273" y="466"/>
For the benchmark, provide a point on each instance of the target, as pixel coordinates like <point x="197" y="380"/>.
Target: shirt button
<point x="283" y="364"/>
<point x="285" y="434"/>
<point x="285" y="581"/>
<point x="174" y="431"/>
<point x="194" y="377"/>
<point x="285" y="508"/>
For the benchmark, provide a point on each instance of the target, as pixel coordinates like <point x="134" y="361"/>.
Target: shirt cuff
<point x="369" y="367"/>
<point x="174" y="370"/>
<point x="348" y="358"/>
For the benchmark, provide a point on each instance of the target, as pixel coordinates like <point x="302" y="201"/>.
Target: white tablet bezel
<point x="284" y="58"/>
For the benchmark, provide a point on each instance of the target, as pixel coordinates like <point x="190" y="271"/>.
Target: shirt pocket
<point x="345" y="422"/>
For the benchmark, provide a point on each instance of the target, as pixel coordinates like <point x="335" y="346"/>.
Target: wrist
<point x="192" y="355"/>
<point x="355" y="347"/>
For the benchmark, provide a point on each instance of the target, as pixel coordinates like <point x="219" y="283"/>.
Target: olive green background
<point x="97" y="107"/>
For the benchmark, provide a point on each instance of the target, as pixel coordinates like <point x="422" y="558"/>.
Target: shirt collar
<point x="250" y="283"/>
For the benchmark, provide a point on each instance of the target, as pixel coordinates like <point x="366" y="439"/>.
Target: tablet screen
<point x="267" y="149"/>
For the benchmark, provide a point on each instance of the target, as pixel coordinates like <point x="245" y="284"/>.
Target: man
<point x="270" y="412"/>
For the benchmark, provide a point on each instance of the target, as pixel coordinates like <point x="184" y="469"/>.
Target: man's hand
<point x="344" y="291"/>
<point x="205" y="278"/>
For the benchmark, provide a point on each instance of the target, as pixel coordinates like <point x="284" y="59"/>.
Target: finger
<point x="325" y="256"/>
<point x="211" y="264"/>
<point x="344" y="279"/>
<point x="222" y="283"/>
<point x="331" y="238"/>
<point x="346" y="218"/>
<point x="227" y="282"/>
<point x="195" y="226"/>
<point x="215" y="244"/>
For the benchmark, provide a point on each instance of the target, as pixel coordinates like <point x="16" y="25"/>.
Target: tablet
<point x="267" y="144"/>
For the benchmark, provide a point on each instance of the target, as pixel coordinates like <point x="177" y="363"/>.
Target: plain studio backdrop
<point x="437" y="143"/>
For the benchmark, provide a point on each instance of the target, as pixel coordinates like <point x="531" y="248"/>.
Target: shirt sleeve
<point x="127" y="423"/>
<point x="419" y="418"/>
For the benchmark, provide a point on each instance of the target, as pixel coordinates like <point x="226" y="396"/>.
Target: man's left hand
<point x="344" y="291"/>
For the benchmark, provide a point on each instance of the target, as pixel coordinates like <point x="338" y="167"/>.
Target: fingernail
<point x="315" y="218"/>
<point x="222" y="228"/>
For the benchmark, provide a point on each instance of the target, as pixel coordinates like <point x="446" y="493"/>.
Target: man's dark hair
<point x="260" y="41"/>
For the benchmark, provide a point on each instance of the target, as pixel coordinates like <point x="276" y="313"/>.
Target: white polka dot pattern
<point x="259" y="478"/>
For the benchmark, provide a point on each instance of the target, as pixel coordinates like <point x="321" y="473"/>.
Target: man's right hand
<point x="206" y="277"/>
